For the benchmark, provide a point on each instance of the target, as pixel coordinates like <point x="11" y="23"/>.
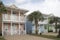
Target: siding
<point x="28" y="27"/>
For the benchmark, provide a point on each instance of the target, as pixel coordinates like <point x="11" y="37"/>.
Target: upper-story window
<point x="14" y="12"/>
<point x="21" y="14"/>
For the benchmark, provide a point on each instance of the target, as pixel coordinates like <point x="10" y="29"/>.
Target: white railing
<point x="22" y="19"/>
<point x="13" y="18"/>
<point x="43" y="22"/>
<point x="6" y="17"/>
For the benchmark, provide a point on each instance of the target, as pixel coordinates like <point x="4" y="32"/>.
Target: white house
<point x="44" y="26"/>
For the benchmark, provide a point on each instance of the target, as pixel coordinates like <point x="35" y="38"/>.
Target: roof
<point x="14" y="7"/>
<point x="45" y="15"/>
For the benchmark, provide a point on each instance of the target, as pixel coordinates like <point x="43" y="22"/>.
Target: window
<point x="14" y="12"/>
<point x="6" y="27"/>
<point x="41" y="24"/>
<point x="21" y="13"/>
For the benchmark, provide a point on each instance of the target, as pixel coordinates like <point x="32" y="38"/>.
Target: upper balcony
<point x="22" y="19"/>
<point x="6" y="17"/>
<point x="13" y="18"/>
<point x="43" y="22"/>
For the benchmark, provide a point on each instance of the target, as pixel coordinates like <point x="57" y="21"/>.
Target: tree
<point x="2" y="7"/>
<point x="54" y="20"/>
<point x="35" y="16"/>
<point x="59" y="30"/>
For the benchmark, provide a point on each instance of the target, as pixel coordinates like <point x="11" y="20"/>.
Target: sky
<point x="44" y="6"/>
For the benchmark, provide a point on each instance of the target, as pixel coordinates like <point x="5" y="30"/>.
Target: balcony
<point x="21" y="19"/>
<point x="6" y="17"/>
<point x="13" y="18"/>
<point x="43" y="22"/>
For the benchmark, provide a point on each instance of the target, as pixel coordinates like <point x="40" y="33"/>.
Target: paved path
<point x="53" y="34"/>
<point x="25" y="37"/>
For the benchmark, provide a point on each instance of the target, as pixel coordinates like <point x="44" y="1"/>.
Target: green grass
<point x="57" y="39"/>
<point x="1" y="38"/>
<point x="48" y="36"/>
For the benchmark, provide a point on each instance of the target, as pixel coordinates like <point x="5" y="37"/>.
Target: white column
<point x="11" y="22"/>
<point x="19" y="22"/>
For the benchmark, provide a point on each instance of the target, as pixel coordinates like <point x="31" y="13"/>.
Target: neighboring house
<point x="44" y="26"/>
<point x="28" y="27"/>
<point x="12" y="22"/>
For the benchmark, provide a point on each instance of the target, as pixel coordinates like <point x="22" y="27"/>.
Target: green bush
<point x="2" y="38"/>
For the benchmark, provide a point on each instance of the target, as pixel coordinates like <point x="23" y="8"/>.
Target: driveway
<point x="24" y="37"/>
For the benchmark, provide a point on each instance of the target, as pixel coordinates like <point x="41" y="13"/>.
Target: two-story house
<point x="44" y="26"/>
<point x="12" y="22"/>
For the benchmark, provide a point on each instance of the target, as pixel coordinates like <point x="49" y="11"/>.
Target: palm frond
<point x="54" y="19"/>
<point x="2" y="7"/>
<point x="35" y="15"/>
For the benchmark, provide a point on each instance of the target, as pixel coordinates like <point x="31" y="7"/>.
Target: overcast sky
<point x="45" y="6"/>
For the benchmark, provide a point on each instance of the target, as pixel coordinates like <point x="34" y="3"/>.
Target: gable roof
<point x="13" y="7"/>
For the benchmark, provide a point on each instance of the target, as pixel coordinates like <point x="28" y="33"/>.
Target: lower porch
<point x="13" y="29"/>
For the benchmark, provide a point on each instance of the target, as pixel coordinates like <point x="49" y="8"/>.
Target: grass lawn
<point x="48" y="36"/>
<point x="57" y="39"/>
<point x="1" y="38"/>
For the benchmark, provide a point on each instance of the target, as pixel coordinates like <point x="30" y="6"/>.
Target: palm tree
<point x="2" y="7"/>
<point x="35" y="16"/>
<point x="54" y="20"/>
<point x="59" y="30"/>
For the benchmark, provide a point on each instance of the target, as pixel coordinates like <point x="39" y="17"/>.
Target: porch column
<point x="19" y="28"/>
<point x="11" y="28"/>
<point x="19" y="22"/>
<point x="11" y="21"/>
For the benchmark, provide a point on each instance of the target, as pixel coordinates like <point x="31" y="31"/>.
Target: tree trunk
<point x="36" y="25"/>
<point x="36" y="30"/>
<point x="56" y="27"/>
<point x="59" y="34"/>
<point x="48" y="27"/>
<point x="0" y="24"/>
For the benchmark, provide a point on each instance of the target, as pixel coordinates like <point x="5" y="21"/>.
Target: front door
<point x="6" y="30"/>
<point x="22" y="28"/>
<point x="14" y="29"/>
